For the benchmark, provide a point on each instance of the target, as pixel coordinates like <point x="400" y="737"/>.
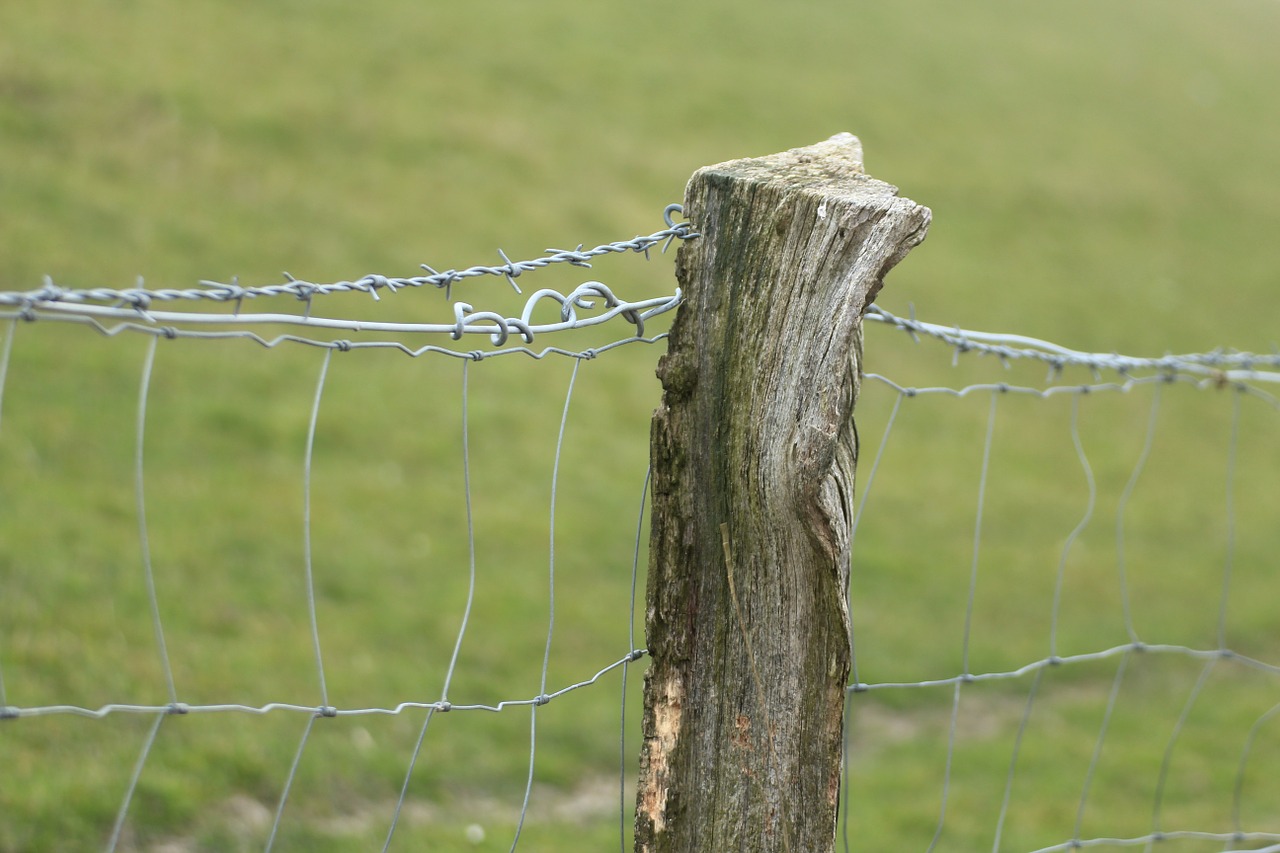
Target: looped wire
<point x="465" y="316"/>
<point x="682" y="230"/>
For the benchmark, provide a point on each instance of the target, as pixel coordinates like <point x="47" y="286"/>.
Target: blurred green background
<point x="1101" y="174"/>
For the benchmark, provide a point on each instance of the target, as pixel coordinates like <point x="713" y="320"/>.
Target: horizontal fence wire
<point x="179" y="708"/>
<point x="1217" y="367"/>
<point x="112" y="311"/>
<point x="140" y="298"/>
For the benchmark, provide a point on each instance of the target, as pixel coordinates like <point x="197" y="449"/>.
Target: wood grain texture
<point x="754" y="451"/>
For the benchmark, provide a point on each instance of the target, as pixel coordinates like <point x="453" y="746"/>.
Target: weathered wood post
<point x="753" y="450"/>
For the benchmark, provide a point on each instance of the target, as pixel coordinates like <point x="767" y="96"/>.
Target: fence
<point x="333" y="576"/>
<point x="1111" y="680"/>
<point x="343" y="599"/>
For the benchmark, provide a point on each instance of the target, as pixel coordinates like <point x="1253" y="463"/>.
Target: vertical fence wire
<point x="123" y="812"/>
<point x="144" y="394"/>
<point x="846" y="756"/>
<point x="306" y="528"/>
<point x="465" y="435"/>
<point x="466" y="612"/>
<point x="551" y="607"/>
<point x="1237" y="789"/>
<point x="968" y="614"/>
<point x="1096" y="757"/>
<point x="1148" y="442"/>
<point x="977" y="531"/>
<point x="631" y="644"/>
<point x="288" y="782"/>
<point x="1013" y="758"/>
<point x="857" y="520"/>
<point x="1166" y="760"/>
<point x="5" y="351"/>
<point x="152" y="598"/>
<point x="1229" y="519"/>
<point x="1075" y="531"/>
<point x="325" y="708"/>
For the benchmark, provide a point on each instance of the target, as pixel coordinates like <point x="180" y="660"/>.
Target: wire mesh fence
<point x="241" y="586"/>
<point x="327" y="597"/>
<point x="1076" y="640"/>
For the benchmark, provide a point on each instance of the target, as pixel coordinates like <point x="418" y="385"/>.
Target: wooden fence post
<point x="753" y="450"/>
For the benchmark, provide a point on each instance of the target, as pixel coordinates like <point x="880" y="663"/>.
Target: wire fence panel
<point x="1062" y="597"/>
<point x="322" y="596"/>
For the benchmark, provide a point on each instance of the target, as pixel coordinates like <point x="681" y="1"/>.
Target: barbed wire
<point x="140" y="298"/>
<point x="113" y="312"/>
<point x="1128" y="384"/>
<point x="133" y="309"/>
<point x="1221" y="365"/>
<point x="467" y="321"/>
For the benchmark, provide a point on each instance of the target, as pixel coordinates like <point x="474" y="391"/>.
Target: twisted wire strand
<point x="1219" y="368"/>
<point x="1221" y="365"/>
<point x="466" y="319"/>
<point x="141" y="297"/>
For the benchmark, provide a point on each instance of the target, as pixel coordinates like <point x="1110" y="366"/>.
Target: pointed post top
<point x="832" y="167"/>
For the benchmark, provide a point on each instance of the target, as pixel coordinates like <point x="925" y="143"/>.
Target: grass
<point x="1101" y="174"/>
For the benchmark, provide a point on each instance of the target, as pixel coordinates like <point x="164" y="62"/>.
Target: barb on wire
<point x="466" y="319"/>
<point x="140" y="298"/>
<point x="1222" y="366"/>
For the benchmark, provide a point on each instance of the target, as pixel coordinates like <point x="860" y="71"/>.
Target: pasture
<point x="1101" y="174"/>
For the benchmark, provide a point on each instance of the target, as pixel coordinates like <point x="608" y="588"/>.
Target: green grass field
<point x="1101" y="174"/>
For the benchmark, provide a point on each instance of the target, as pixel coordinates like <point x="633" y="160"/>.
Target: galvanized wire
<point x="1241" y="374"/>
<point x="113" y="312"/>
<point x="1219" y="366"/>
<point x="551" y="609"/>
<point x="1074" y="535"/>
<point x="631" y="641"/>
<point x="465" y="436"/>
<point x="6" y="351"/>
<point x="306" y="528"/>
<point x="140" y="298"/>
<point x="589" y="305"/>
<point x="123" y="811"/>
<point x="589" y="296"/>
<point x="145" y="540"/>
